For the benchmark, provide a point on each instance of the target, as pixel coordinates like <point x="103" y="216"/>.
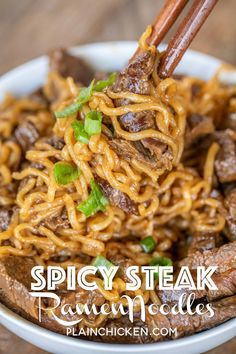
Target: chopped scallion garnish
<point x="85" y="93"/>
<point x="79" y="132"/>
<point x="95" y="202"/>
<point x="93" y="123"/>
<point x="160" y="261"/>
<point x="101" y="261"/>
<point x="148" y="244"/>
<point x="71" y="109"/>
<point x="83" y="97"/>
<point x="89" y="206"/>
<point x="98" y="195"/>
<point x="102" y="84"/>
<point x="65" y="173"/>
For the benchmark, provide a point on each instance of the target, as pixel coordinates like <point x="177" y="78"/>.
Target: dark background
<point x="29" y="28"/>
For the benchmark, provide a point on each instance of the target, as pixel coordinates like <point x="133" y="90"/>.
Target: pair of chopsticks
<point x="184" y="35"/>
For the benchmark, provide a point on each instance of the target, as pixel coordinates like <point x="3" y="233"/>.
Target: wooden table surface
<point x="29" y="28"/>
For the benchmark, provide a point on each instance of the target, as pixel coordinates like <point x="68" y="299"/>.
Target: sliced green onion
<point x="98" y="195"/>
<point x="101" y="261"/>
<point x="71" y="109"/>
<point x="89" y="207"/>
<point x="102" y="84"/>
<point x="93" y="123"/>
<point x="148" y="244"/>
<point x="85" y="93"/>
<point x="83" y="97"/>
<point x="95" y="202"/>
<point x="65" y="173"/>
<point x="160" y="261"/>
<point x="79" y="132"/>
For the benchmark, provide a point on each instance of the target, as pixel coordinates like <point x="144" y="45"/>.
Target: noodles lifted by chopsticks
<point x="168" y="188"/>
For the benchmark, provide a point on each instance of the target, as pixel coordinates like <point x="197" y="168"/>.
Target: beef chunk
<point x="136" y="122"/>
<point x="187" y="324"/>
<point x="197" y="127"/>
<point x="129" y="151"/>
<point x="123" y="264"/>
<point x="26" y="134"/>
<point x="230" y="208"/>
<point x="39" y="97"/>
<point x="15" y="287"/>
<point x="68" y="65"/>
<point x="160" y="151"/>
<point x="225" y="163"/>
<point x="225" y="283"/>
<point x="136" y="79"/>
<point x="223" y="257"/>
<point x="15" y="282"/>
<point x="89" y="297"/>
<point x="5" y="217"/>
<point x="117" y="198"/>
<point x="124" y="322"/>
<point x="80" y="296"/>
<point x="56" y="222"/>
<point x="56" y="142"/>
<point x="201" y="241"/>
<point x="229" y="121"/>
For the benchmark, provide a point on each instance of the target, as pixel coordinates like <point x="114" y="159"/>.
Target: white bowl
<point x="106" y="56"/>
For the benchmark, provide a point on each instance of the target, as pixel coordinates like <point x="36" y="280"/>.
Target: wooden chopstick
<point x="186" y="32"/>
<point x="161" y="25"/>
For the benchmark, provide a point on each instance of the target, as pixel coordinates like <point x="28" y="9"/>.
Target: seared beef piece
<point x="26" y="134"/>
<point x="197" y="127"/>
<point x="136" y="79"/>
<point x="5" y="217"/>
<point x="117" y="198"/>
<point x="227" y="188"/>
<point x="187" y="324"/>
<point x="229" y="121"/>
<point x="124" y="322"/>
<point x="123" y="264"/>
<point x="56" y="221"/>
<point x="225" y="283"/>
<point x="230" y="214"/>
<point x="223" y="257"/>
<point x="139" y="121"/>
<point x="201" y="241"/>
<point x="81" y="296"/>
<point x="15" y="282"/>
<point x="46" y="321"/>
<point x="56" y="142"/>
<point x="225" y="163"/>
<point x="160" y="151"/>
<point x="196" y="89"/>
<point x="132" y="151"/>
<point x="39" y="97"/>
<point x="68" y="65"/>
<point x="89" y="297"/>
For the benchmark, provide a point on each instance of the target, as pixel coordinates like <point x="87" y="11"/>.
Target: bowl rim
<point x="76" y="342"/>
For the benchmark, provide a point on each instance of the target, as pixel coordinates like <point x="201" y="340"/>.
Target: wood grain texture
<point x="29" y="28"/>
